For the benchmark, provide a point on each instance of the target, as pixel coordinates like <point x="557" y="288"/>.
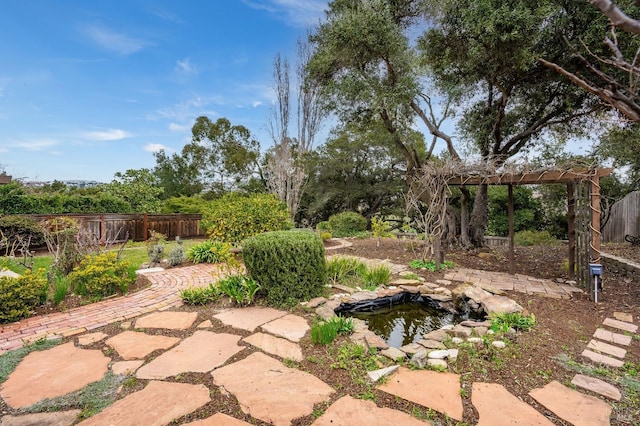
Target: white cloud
<point x="184" y="66"/>
<point x="107" y="135"/>
<point x="177" y="127"/>
<point x="114" y="41"/>
<point x="156" y="147"/>
<point x="34" y="144"/>
<point x="188" y="110"/>
<point x="256" y="104"/>
<point x="299" y="13"/>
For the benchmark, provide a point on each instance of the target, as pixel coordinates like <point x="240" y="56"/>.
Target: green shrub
<point x="60" y="290"/>
<point x="534" y="238"/>
<point x="376" y="276"/>
<point x="240" y="289"/>
<point x="14" y="228"/>
<point x="99" y="276"/>
<point x="18" y="296"/>
<point x="323" y="226"/>
<point x="341" y="269"/>
<point x="324" y="236"/>
<point x="200" y="295"/>
<point x="347" y="224"/>
<point x="235" y="217"/>
<point x="289" y="265"/>
<point x="210" y="252"/>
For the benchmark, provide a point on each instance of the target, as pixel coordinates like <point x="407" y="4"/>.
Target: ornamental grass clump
<point x="210" y="252"/>
<point x="289" y="265"/>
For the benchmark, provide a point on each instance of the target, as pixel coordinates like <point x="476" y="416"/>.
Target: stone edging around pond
<point x="430" y="351"/>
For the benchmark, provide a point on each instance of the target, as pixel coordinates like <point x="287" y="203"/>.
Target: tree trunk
<point x="479" y="217"/>
<point x="464" y="217"/>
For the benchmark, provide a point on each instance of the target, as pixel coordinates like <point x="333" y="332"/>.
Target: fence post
<point x="145" y="227"/>
<point x="103" y="230"/>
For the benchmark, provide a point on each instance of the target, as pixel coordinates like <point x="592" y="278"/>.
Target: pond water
<point x="406" y="323"/>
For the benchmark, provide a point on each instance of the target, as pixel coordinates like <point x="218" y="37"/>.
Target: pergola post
<point x="510" y="210"/>
<point x="595" y="219"/>
<point x="571" y="228"/>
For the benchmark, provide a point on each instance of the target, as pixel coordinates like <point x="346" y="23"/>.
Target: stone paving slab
<point x="137" y="345"/>
<point x="59" y="418"/>
<point x="291" y="327"/>
<point x="167" y="320"/>
<point x="620" y="325"/>
<point x="602" y="359"/>
<point x="497" y="407"/>
<point x="88" y="339"/>
<point x="572" y="406"/>
<point x="277" y="346"/>
<point x="606" y="348"/>
<point x="623" y="316"/>
<point x="126" y="367"/>
<point x="269" y="390"/>
<point x="431" y="389"/>
<point x="157" y="404"/>
<point x="596" y="385"/>
<point x="51" y="373"/>
<point x="358" y="412"/>
<point x="248" y="318"/>
<point x="200" y="353"/>
<point x="219" y="419"/>
<point x="608" y="336"/>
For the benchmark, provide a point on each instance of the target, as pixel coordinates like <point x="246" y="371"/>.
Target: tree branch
<point x="617" y="17"/>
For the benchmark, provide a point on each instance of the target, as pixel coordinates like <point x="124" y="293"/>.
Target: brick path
<point x="164" y="293"/>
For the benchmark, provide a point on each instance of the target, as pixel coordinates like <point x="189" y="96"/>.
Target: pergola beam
<point x="553" y="176"/>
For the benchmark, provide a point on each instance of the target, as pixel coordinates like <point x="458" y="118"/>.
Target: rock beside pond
<point x="460" y="331"/>
<point x="405" y="281"/>
<point x="393" y="354"/>
<point x="478" y="299"/>
<point x="437" y="363"/>
<point x="325" y="312"/>
<point x="376" y="375"/>
<point x="439" y="335"/>
<point x="363" y="295"/>
<point x="315" y="302"/>
<point x="500" y="305"/>
<point x="412" y="348"/>
<point x="431" y="344"/>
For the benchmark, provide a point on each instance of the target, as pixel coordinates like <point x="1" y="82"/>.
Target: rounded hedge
<point x="347" y="224"/>
<point x="289" y="265"/>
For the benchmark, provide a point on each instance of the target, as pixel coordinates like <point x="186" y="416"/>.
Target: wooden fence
<point x="624" y="219"/>
<point x="116" y="227"/>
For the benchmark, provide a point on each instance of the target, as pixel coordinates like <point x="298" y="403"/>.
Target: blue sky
<point x="89" y="88"/>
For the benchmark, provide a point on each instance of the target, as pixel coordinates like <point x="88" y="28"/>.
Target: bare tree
<point x="613" y="79"/>
<point x="285" y="166"/>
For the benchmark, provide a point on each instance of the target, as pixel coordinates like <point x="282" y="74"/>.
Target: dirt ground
<point x="550" y="351"/>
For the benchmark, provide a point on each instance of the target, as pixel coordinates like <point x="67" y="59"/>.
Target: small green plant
<point x="410" y="276"/>
<point x="357" y="360"/>
<point x="376" y="276"/>
<point x="502" y="322"/>
<point x="323" y="333"/>
<point x="240" y="289"/>
<point x="380" y="228"/>
<point x="325" y="235"/>
<point x="200" y="295"/>
<point x="155" y="246"/>
<point x="100" y="275"/>
<point x="210" y="252"/>
<point x="176" y="255"/>
<point x="430" y="265"/>
<point x="342" y="268"/>
<point x="60" y="290"/>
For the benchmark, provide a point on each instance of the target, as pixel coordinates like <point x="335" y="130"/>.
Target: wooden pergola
<point x="570" y="178"/>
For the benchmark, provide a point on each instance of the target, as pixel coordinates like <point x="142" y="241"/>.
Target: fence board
<point x="624" y="219"/>
<point x="114" y="227"/>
